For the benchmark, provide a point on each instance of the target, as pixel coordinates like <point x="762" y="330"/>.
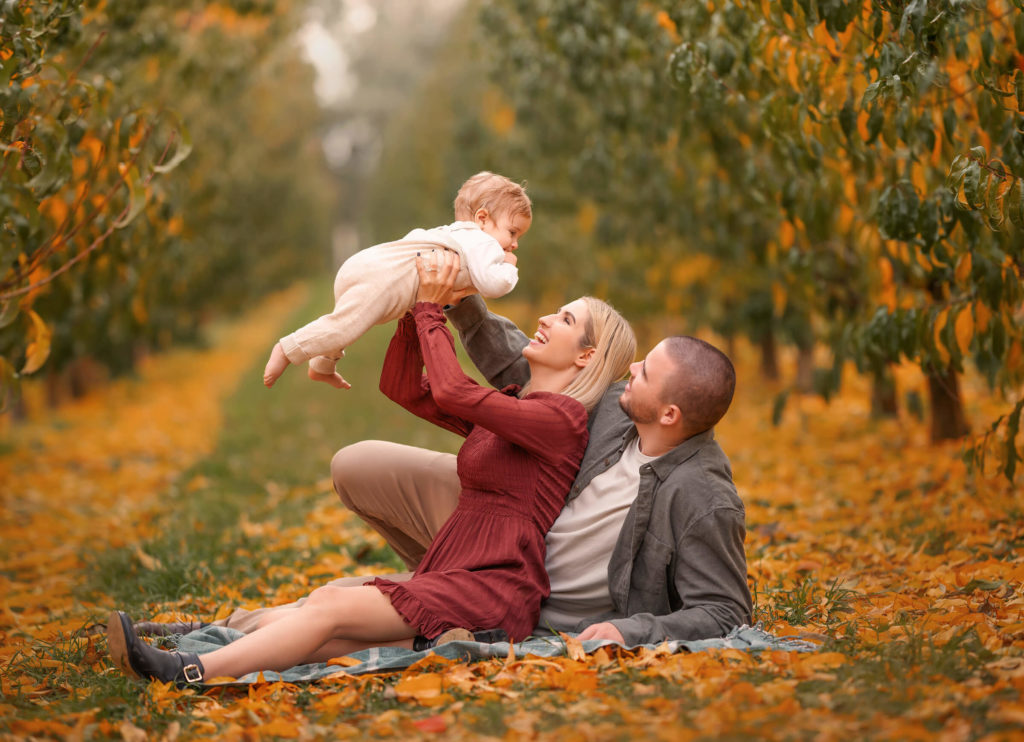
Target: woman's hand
<point x="438" y="270"/>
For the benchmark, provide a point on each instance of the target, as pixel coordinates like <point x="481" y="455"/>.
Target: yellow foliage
<point x="55" y="209"/>
<point x="963" y="268"/>
<point x="692" y="269"/>
<point x="502" y="119"/>
<point x="787" y="234"/>
<point x="1013" y="356"/>
<point x="824" y="40"/>
<point x="668" y="24"/>
<point x="963" y="328"/>
<point x="222" y="17"/>
<point x="778" y="298"/>
<point x="586" y="217"/>
<point x="792" y="70"/>
<point x="982" y="315"/>
<point x="885" y="271"/>
<point x="917" y="177"/>
<point x="39" y="344"/>
<point x="940" y="324"/>
<point x="862" y="125"/>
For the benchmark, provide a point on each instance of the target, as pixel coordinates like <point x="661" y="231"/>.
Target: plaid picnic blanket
<point x="391" y="659"/>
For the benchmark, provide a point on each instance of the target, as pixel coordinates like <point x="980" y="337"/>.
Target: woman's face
<point x="557" y="341"/>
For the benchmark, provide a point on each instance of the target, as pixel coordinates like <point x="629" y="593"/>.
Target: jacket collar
<point x="667" y="462"/>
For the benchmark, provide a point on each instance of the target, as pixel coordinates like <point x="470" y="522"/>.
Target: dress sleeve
<point x="402" y="379"/>
<point x="545" y="425"/>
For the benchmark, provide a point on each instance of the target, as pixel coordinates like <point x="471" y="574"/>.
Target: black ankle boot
<point x="141" y="660"/>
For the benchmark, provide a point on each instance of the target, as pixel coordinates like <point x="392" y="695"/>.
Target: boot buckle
<point x="193" y="674"/>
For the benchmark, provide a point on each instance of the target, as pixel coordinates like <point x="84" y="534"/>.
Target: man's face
<point x="641" y="400"/>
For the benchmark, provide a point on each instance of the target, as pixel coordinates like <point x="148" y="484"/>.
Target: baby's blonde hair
<point x="493" y="192"/>
<point x="612" y="338"/>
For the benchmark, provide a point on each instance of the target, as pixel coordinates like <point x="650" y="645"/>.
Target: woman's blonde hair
<point x="611" y="337"/>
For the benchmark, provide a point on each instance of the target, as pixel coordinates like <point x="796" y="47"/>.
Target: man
<point x="649" y="545"/>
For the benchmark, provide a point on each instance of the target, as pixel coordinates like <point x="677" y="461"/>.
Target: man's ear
<point x="671" y="415"/>
<point x="481" y="215"/>
<point x="584" y="358"/>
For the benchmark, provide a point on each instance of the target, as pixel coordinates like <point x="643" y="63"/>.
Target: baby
<point x="379" y="284"/>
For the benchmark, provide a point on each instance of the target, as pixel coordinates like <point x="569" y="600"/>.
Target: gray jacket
<point x="678" y="569"/>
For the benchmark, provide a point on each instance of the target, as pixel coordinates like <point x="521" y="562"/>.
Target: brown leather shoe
<point x="156" y="628"/>
<point x="490" y="636"/>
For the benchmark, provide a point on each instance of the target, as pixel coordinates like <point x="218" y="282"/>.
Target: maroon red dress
<point x="485" y="568"/>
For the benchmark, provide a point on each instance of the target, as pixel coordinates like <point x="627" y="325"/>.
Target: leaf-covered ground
<point x="190" y="490"/>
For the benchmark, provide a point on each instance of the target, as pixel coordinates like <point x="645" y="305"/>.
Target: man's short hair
<point x="702" y="383"/>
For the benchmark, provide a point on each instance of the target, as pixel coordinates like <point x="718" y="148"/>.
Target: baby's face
<point x="506" y="228"/>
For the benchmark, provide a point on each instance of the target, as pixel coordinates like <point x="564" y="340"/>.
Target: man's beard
<point x="640" y="414"/>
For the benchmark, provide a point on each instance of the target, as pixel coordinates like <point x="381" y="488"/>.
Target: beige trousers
<point x="405" y="493"/>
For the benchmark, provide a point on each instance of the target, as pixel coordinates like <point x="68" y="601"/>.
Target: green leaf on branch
<point x="137" y="196"/>
<point x="994" y="204"/>
<point x="1015" y="203"/>
<point x="898" y="211"/>
<point x="875" y="121"/>
<point x="973" y="191"/>
<point x="9" y="311"/>
<point x="183" y="151"/>
<point x="949" y="121"/>
<point x="957" y="169"/>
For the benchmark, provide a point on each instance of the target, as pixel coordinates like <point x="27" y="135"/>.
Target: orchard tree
<point x="851" y="170"/>
<point x="105" y="251"/>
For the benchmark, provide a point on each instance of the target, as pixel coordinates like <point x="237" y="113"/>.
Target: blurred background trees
<point x="804" y="173"/>
<point x="160" y="164"/>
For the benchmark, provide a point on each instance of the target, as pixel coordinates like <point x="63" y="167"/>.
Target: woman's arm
<point x="402" y="379"/>
<point x="545" y="425"/>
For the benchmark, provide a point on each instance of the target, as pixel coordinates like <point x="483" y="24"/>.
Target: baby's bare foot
<point x="334" y="379"/>
<point x="275" y="366"/>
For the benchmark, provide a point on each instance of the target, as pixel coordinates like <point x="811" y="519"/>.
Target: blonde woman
<point x="485" y="568"/>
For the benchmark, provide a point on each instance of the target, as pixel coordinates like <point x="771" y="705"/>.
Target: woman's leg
<point x="403" y="492"/>
<point x="248" y="620"/>
<point x="362" y="615"/>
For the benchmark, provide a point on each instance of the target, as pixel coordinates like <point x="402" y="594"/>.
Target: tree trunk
<point x="883" y="394"/>
<point x="769" y="357"/>
<point x="805" y="370"/>
<point x="948" y="419"/>
<point x="78" y="378"/>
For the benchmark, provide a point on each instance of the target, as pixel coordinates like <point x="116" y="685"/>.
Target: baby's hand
<point x="510" y="257"/>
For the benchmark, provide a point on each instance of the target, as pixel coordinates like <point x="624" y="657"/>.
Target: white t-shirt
<point x="580" y="543"/>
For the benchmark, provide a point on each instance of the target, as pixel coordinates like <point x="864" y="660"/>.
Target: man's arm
<point x="710" y="578"/>
<point x="494" y="343"/>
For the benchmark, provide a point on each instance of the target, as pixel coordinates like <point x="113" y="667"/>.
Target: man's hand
<point x="604" y="630"/>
